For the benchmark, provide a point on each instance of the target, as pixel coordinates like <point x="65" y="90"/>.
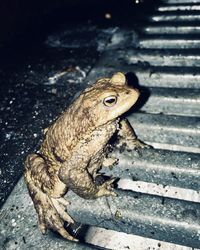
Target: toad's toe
<point x="58" y="204"/>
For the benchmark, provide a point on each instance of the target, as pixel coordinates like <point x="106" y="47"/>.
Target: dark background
<point x="21" y="17"/>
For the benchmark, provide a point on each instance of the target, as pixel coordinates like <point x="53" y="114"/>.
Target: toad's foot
<point x="106" y="188"/>
<point x="51" y="214"/>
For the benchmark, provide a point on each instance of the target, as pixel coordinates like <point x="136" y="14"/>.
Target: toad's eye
<point x="110" y="101"/>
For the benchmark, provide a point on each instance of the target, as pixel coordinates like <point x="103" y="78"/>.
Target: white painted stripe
<point x="179" y="7"/>
<point x="175" y="17"/>
<point x="160" y="190"/>
<point x="110" y="239"/>
<point x="171" y="30"/>
<point x="180" y="1"/>
<point x="174" y="147"/>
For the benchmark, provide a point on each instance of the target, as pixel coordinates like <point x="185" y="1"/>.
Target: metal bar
<point x="174" y="18"/>
<point x="156" y="57"/>
<point x="111" y="240"/>
<point x="169" y="43"/>
<point x="168" y="77"/>
<point x="171" y="29"/>
<point x="164" y="167"/>
<point x="171" y="130"/>
<point x="172" y="220"/>
<point x="179" y="7"/>
<point x="180" y="1"/>
<point x="173" y="101"/>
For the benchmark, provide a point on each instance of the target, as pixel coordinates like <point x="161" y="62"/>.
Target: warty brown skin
<point x="74" y="149"/>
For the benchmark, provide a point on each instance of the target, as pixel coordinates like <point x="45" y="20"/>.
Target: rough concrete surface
<point x="19" y="229"/>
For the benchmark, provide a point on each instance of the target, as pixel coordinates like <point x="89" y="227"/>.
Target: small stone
<point x="118" y="214"/>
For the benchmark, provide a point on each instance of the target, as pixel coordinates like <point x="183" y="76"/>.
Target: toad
<point x="75" y="148"/>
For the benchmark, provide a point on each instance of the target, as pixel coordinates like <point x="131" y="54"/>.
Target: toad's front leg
<point x="101" y="159"/>
<point x="83" y="184"/>
<point x="51" y="211"/>
<point x="79" y="174"/>
<point x="128" y="137"/>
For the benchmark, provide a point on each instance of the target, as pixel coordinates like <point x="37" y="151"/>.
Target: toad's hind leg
<point x="51" y="212"/>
